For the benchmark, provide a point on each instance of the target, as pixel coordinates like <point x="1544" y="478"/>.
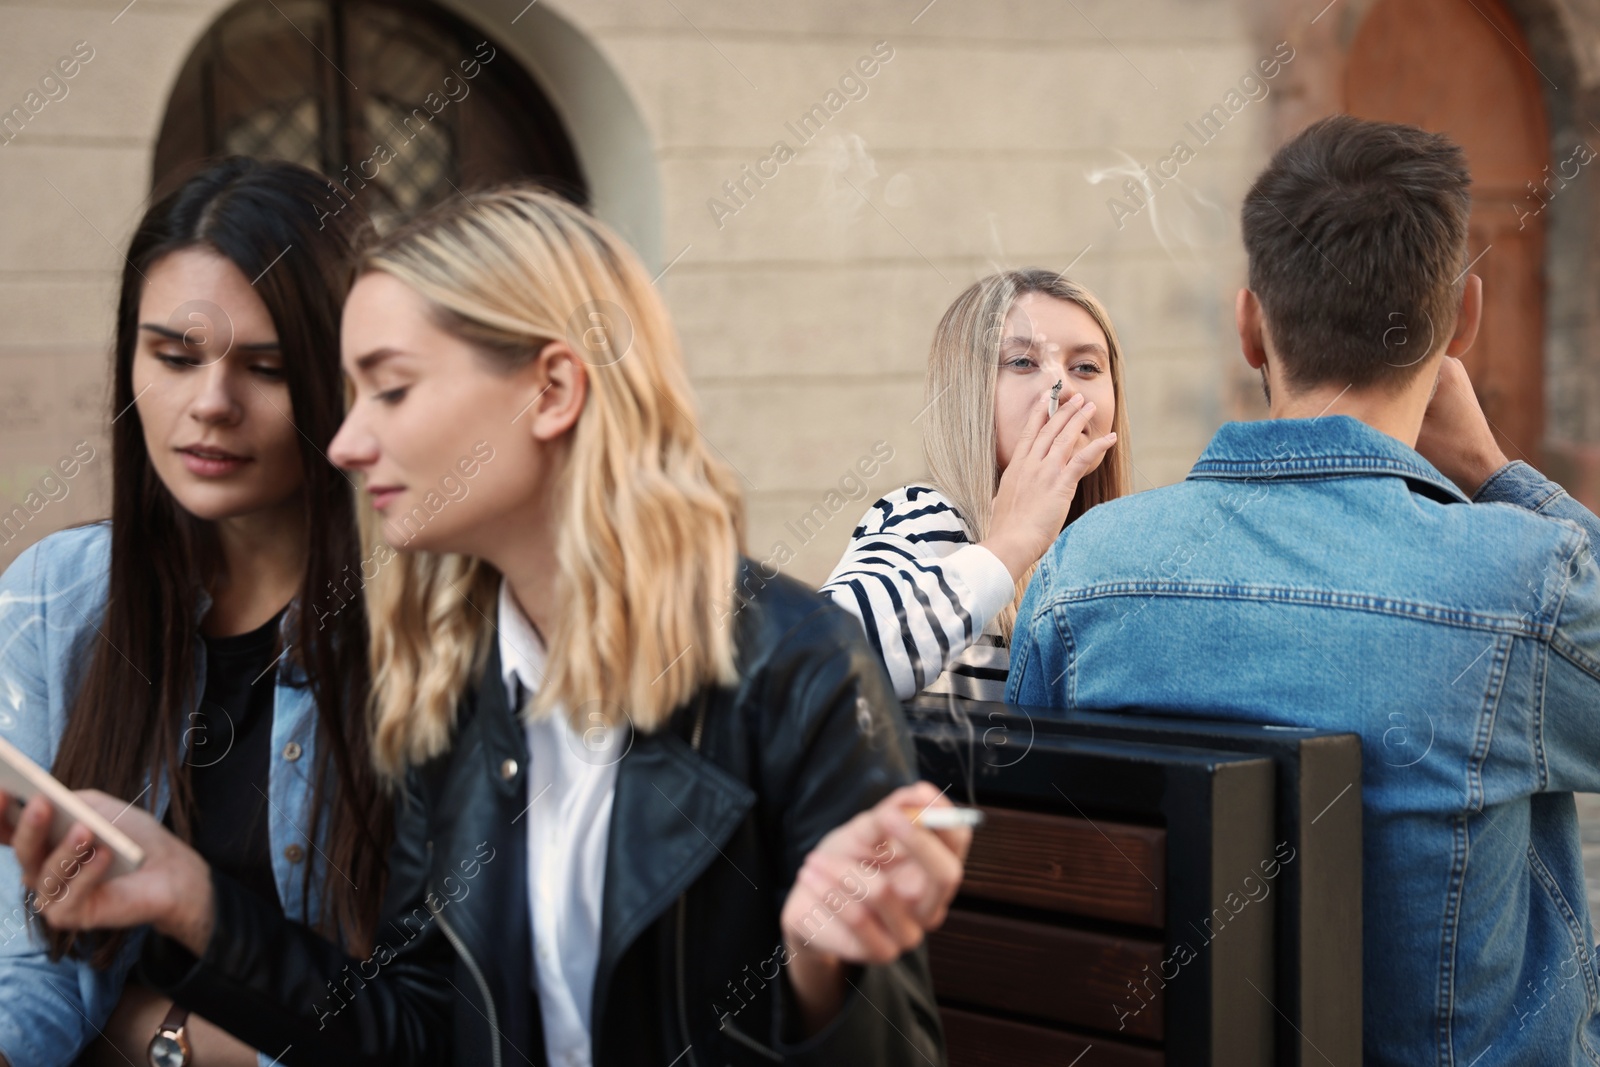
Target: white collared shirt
<point x="570" y="790"/>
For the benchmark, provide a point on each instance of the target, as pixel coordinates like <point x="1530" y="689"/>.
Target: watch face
<point x="166" y="1052"/>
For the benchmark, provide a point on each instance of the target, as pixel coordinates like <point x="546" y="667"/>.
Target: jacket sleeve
<point x="1519" y="484"/>
<point x="51" y="1010"/>
<point x="920" y="610"/>
<point x="855" y="750"/>
<point x="1567" y="727"/>
<point x="280" y="987"/>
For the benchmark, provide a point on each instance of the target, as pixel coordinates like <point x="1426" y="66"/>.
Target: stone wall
<point x="806" y="280"/>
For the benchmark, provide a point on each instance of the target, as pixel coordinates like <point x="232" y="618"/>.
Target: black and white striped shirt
<point x="927" y="596"/>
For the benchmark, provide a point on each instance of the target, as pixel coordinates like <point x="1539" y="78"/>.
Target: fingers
<point x="922" y="795"/>
<point x="1453" y="374"/>
<point x="924" y="866"/>
<point x="928" y="867"/>
<point x="31" y="839"/>
<point x="873" y="887"/>
<point x="1445" y="384"/>
<point x="919" y="794"/>
<point x="863" y="930"/>
<point x="1061" y="424"/>
<point x="1070" y="436"/>
<point x="1084" y="459"/>
<point x="68" y="879"/>
<point x="811" y="922"/>
<point x="1037" y="418"/>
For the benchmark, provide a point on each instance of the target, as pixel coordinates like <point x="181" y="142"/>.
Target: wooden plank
<point x="1103" y="870"/>
<point x="974" y="1040"/>
<point x="1048" y="972"/>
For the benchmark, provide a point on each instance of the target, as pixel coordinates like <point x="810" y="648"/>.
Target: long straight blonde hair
<point x="650" y="524"/>
<point x="963" y="366"/>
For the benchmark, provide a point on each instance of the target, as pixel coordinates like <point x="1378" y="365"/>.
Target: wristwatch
<point x="170" y="1046"/>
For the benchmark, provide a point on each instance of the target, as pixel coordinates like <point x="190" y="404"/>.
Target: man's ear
<point x="1468" y="317"/>
<point x="562" y="384"/>
<point x="1252" y="334"/>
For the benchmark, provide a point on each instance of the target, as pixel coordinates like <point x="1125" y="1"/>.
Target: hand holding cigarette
<point x="1037" y="488"/>
<point x="872" y="888"/>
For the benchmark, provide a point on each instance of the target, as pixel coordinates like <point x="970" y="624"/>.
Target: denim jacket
<point x="1318" y="572"/>
<point x="52" y="603"/>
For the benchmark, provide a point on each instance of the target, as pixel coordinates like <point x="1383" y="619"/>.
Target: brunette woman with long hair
<point x="656" y="805"/>
<point x="203" y="653"/>
<point x="935" y="570"/>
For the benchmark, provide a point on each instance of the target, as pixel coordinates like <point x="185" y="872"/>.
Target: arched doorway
<point x="1460" y="67"/>
<point x="400" y="102"/>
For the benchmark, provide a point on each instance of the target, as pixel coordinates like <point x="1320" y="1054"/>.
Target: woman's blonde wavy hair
<point x="963" y="365"/>
<point x="650" y="526"/>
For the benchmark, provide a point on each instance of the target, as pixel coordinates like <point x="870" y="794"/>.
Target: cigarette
<point x="1055" y="393"/>
<point x="950" y="818"/>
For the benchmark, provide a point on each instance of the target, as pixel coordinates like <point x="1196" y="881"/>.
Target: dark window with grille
<point x="400" y="103"/>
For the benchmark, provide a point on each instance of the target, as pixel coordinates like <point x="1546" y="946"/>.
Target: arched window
<point x="399" y="102"/>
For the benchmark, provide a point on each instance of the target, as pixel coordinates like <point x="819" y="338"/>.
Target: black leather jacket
<point x="712" y="817"/>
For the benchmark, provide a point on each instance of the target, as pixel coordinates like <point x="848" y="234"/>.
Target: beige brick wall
<point x="806" y="314"/>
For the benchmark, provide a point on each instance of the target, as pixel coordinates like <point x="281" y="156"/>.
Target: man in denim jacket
<point x="1367" y="560"/>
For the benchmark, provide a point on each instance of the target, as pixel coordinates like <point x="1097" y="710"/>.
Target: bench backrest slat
<point x="1047" y="972"/>
<point x="975" y="1040"/>
<point x="1110" y="871"/>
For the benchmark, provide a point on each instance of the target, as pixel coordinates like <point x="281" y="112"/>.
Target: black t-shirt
<point x="229" y="756"/>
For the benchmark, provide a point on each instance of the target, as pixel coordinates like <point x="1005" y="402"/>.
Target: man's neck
<point x="1398" y="414"/>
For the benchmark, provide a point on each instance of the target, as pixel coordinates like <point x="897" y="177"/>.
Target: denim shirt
<point x="52" y="605"/>
<point x="1318" y="572"/>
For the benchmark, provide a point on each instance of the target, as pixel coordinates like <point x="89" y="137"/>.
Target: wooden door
<point x="1459" y="67"/>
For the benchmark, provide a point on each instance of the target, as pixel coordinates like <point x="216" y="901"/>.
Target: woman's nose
<point x="215" y="401"/>
<point x="352" y="447"/>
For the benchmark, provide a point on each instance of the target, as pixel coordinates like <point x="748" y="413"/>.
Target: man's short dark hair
<point x="1357" y="238"/>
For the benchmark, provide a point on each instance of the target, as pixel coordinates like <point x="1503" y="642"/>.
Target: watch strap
<point x="176" y="1018"/>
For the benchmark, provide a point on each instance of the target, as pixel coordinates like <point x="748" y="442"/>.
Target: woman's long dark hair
<point x="128" y="718"/>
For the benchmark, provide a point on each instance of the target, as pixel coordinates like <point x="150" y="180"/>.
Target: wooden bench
<point x="1148" y="891"/>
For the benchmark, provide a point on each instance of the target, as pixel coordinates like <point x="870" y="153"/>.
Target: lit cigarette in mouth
<point x="951" y="818"/>
<point x="1055" y="394"/>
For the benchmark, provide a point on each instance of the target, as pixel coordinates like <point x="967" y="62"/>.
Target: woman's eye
<point x="1019" y="361"/>
<point x="391" y="396"/>
<point x="1087" y="368"/>
<point x="175" y="359"/>
<point x="269" y="372"/>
